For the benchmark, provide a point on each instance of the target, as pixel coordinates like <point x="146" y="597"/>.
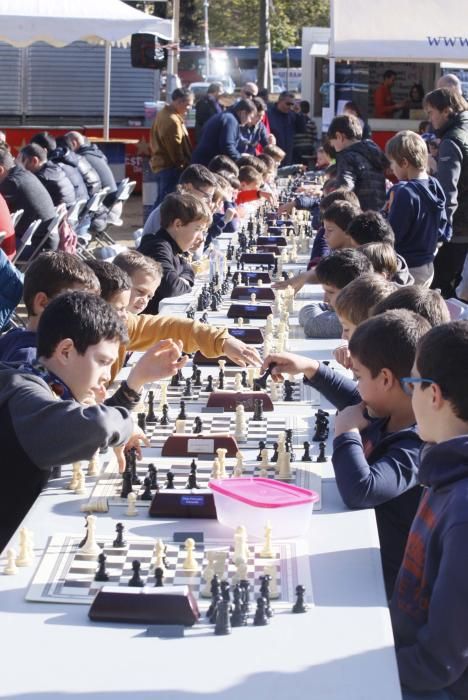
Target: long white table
<point x="342" y="649"/>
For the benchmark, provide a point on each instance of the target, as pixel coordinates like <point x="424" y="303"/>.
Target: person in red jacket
<point x="8" y="243"/>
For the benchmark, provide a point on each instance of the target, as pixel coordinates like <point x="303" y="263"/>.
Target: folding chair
<point x="26" y="240"/>
<point x="16" y="216"/>
<point x="75" y="211"/>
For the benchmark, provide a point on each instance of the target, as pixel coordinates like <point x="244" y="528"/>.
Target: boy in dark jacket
<point x="417" y="206"/>
<point x="429" y="604"/>
<point x="376" y="446"/>
<point x="360" y="164"/>
<point x="184" y="221"/>
<point x="46" y="412"/>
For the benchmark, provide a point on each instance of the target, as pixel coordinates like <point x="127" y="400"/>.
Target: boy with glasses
<point x="429" y="603"/>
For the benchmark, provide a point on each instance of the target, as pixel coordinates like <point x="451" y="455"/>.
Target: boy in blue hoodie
<point x="376" y="446"/>
<point x="417" y="206"/>
<point x="429" y="607"/>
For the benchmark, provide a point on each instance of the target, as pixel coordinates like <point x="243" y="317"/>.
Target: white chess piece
<point x="131" y="504"/>
<point x="240" y="321"/>
<point x="260" y="283"/>
<point x="190" y="563"/>
<point x="221" y="453"/>
<point x="265" y="463"/>
<point x="216" y="469"/>
<point x="159" y="550"/>
<point x="24" y="557"/>
<point x="240" y="429"/>
<point x="93" y="465"/>
<point x="238" y="382"/>
<point x="253" y="298"/>
<point x="274" y="391"/>
<point x="266" y="347"/>
<point x="219" y="563"/>
<point x="250" y="376"/>
<point x="222" y="364"/>
<point x="285" y="467"/>
<point x="163" y="395"/>
<point x="10" y="566"/>
<point x="207" y="574"/>
<point x="180" y="425"/>
<point x="267" y="551"/>
<point x="91" y="546"/>
<point x="269" y="324"/>
<point x="76" y="468"/>
<point x="244" y="547"/>
<point x="80" y="484"/>
<point x="239" y="468"/>
<point x="241" y="572"/>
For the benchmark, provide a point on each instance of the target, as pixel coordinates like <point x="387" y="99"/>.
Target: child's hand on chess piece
<point x="136" y="440"/>
<point x="342" y="356"/>
<point x="288" y="363"/>
<point x="161" y="360"/>
<point x="351" y="419"/>
<point x="286" y="208"/>
<point x="296" y="282"/>
<point x="240" y="353"/>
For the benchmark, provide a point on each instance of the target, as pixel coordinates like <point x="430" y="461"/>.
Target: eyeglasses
<point x="207" y="197"/>
<point x="407" y="383"/>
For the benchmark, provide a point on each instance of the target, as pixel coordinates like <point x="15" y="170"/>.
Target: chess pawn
<point x="160" y="551"/>
<point x="240" y="321"/>
<point x="24" y="557"/>
<point x="264" y="459"/>
<point x="216" y="470"/>
<point x="80" y="484"/>
<point x="238" y="382"/>
<point x="10" y="566"/>
<point x="180" y="426"/>
<point x="131" y="504"/>
<point x="190" y="563"/>
<point x="76" y="468"/>
<point x="260" y="283"/>
<point x="93" y="465"/>
<point x="253" y="298"/>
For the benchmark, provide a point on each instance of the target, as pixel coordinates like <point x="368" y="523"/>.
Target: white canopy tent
<point x="61" y="22"/>
<point x="428" y="31"/>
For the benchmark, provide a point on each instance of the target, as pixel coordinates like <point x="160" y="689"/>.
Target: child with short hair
<point x="43" y="417"/>
<point x="417" y="206"/>
<point x="383" y="258"/>
<point x="354" y="304"/>
<point x="376" y="446"/>
<point x="145" y="275"/>
<point x="333" y="273"/>
<point x="50" y="274"/>
<point x="336" y="220"/>
<point x="428" y="607"/>
<point x="428" y="303"/>
<point x="184" y="221"/>
<point x="115" y="284"/>
<point x="223" y="162"/>
<point x="250" y="183"/>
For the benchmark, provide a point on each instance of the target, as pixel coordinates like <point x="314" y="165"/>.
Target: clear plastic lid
<point x="263" y="493"/>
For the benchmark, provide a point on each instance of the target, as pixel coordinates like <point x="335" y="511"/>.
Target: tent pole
<point x="107" y="80"/>
<point x="331" y="63"/>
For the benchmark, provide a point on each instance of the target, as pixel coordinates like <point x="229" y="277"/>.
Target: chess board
<point x="65" y="575"/>
<point x="106" y="491"/>
<point x="302" y="393"/>
<point x="267" y="429"/>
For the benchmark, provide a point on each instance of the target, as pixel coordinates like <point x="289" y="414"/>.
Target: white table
<point x="342" y="649"/>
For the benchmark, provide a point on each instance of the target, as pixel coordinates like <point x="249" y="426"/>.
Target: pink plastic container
<point x="253" y="502"/>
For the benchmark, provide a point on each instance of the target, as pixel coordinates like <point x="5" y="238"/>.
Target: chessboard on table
<point x="107" y="488"/>
<point x="66" y="575"/>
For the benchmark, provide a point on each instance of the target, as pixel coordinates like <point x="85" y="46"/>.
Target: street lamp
<point x="206" y="5"/>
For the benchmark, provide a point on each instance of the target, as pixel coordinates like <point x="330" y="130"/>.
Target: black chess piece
<point x="136" y="580"/>
<point x="182" y="414"/>
<point x="214" y="590"/>
<point x="275" y="453"/>
<point x="221" y="379"/>
<point x="169" y="481"/>
<point x="214" y="303"/>
<point x="288" y="390"/>
<point x="209" y="387"/>
<point x="127" y="483"/>
<point x="265" y="593"/>
<point x="192" y="480"/>
<point x="150" y="416"/>
<point x="321" y="457"/>
<point x="101" y="573"/>
<point x="299" y="606"/>
<point x="188" y="387"/>
<point x="174" y="380"/>
<point x="147" y="495"/>
<point x="289" y="444"/>
<point x="258" y="410"/>
<point x="245" y="595"/>
<point x="204" y="317"/>
<point x="119" y="540"/>
<point x="158" y="577"/>
<point x="225" y="592"/>
<point x="153" y="475"/>
<point x="197" y="425"/>
<point x="142" y="421"/>
<point x="217" y="599"/>
<point x="261" y="446"/>
<point x="261" y="382"/>
<point x="244" y="379"/>
<point x="198" y="381"/>
<point x="223" y="621"/>
<point x="194" y="372"/>
<point x="306" y="456"/>
<point x="238" y="616"/>
<point x="165" y="415"/>
<point x="136" y="481"/>
<point x="260" y="618"/>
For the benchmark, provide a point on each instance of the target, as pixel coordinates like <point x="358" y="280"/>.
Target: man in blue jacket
<point x="429" y="607"/>
<point x="221" y="133"/>
<point x="285" y="123"/>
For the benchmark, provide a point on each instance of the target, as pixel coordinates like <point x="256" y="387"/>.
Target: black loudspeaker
<point x="147" y="52"/>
